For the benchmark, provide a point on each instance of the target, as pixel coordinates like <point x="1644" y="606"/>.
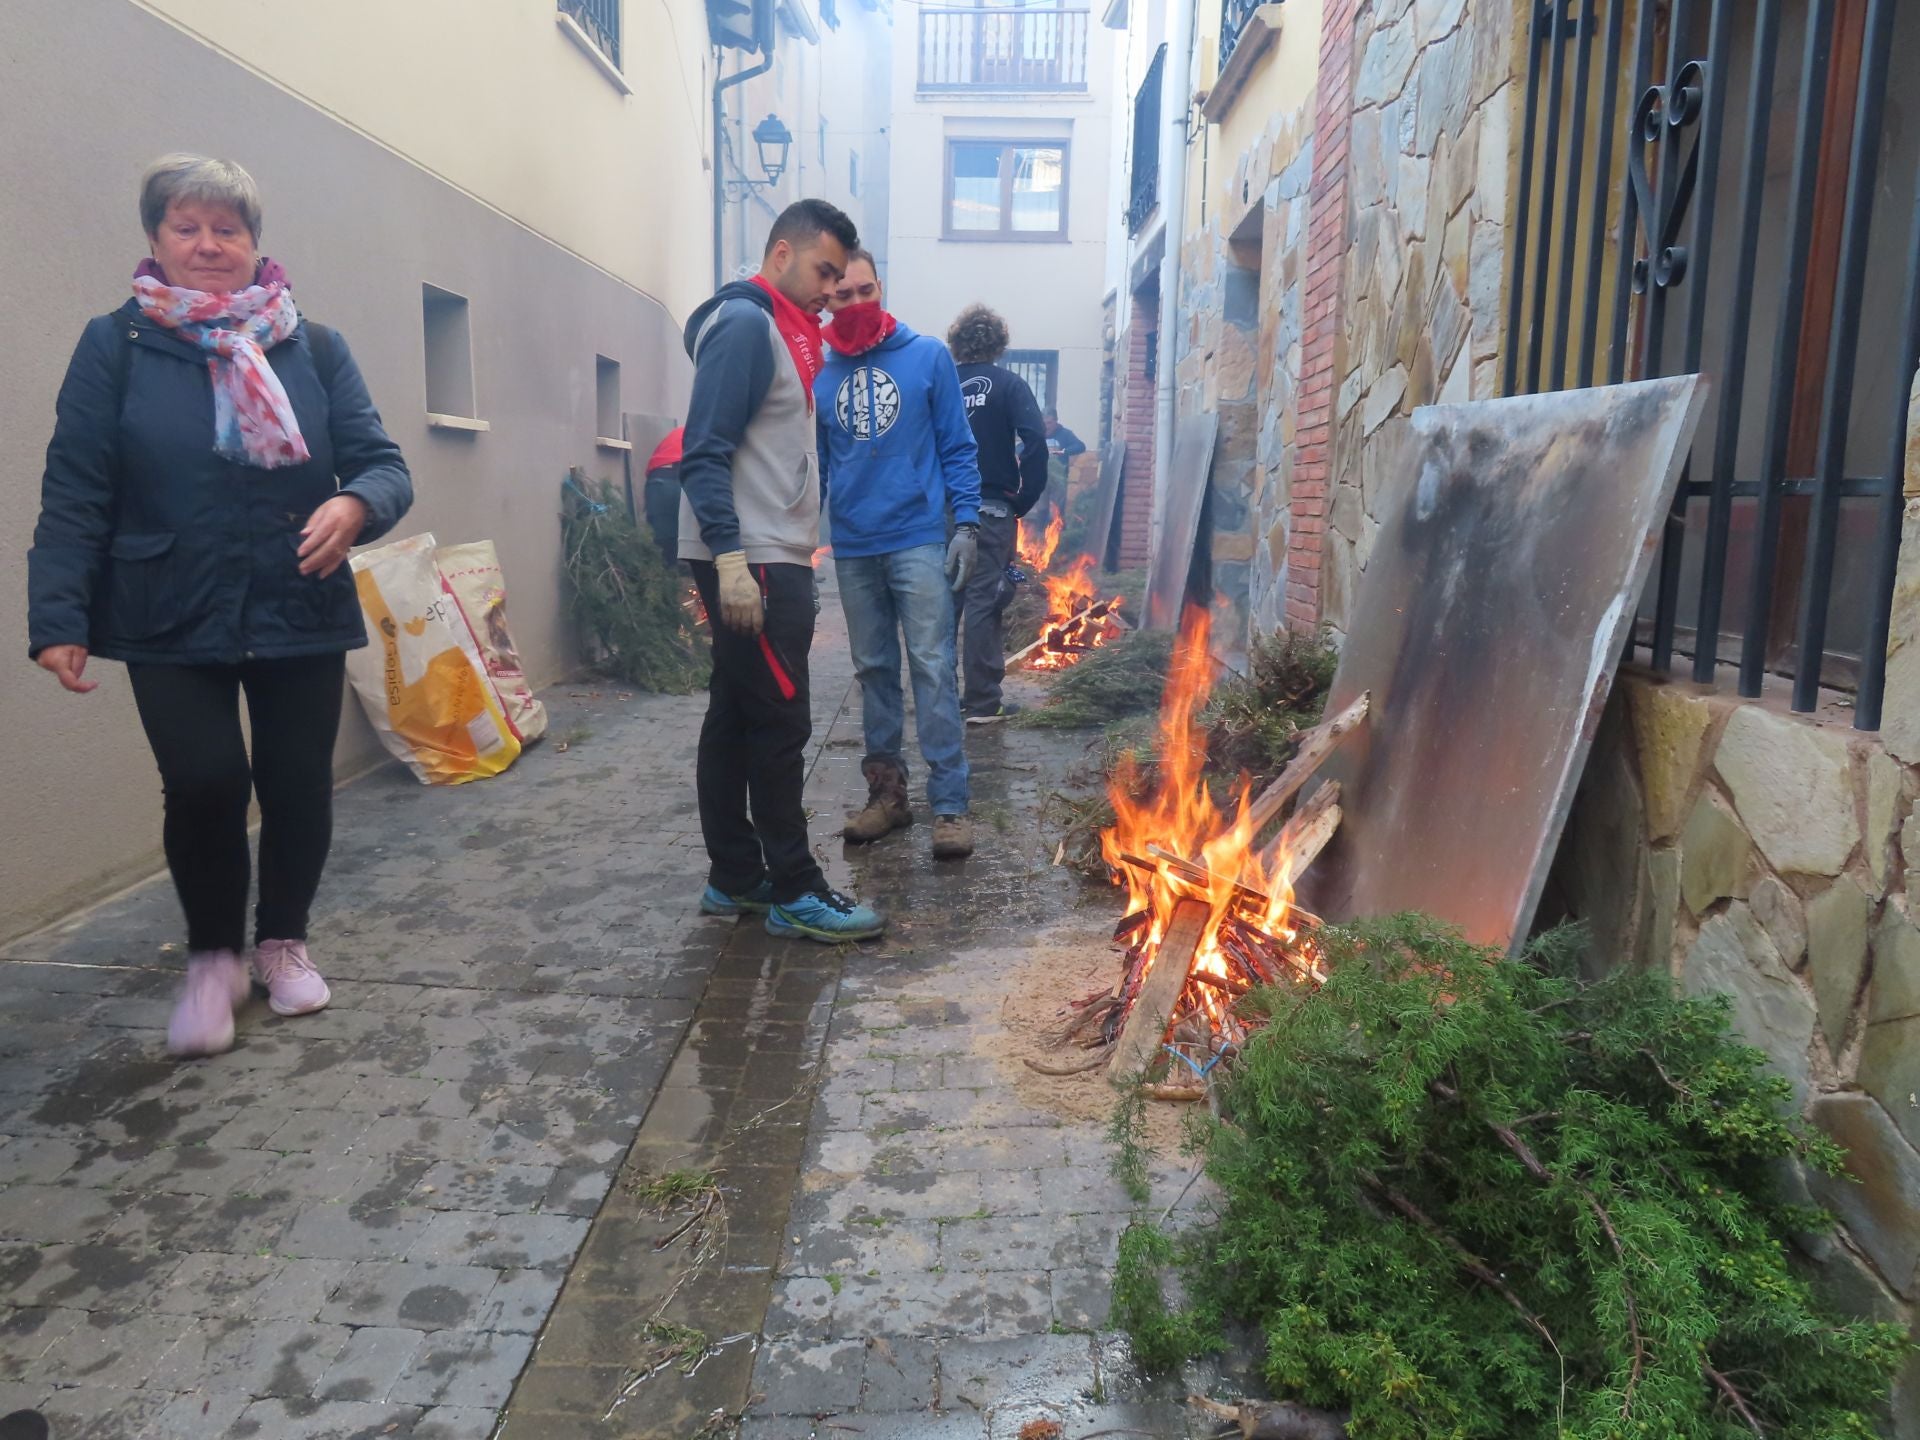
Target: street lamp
<point x="773" y="140"/>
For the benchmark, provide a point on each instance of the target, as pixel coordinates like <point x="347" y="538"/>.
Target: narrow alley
<point x="431" y="1206"/>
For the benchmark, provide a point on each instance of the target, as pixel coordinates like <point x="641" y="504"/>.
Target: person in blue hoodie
<point x="898" y="462"/>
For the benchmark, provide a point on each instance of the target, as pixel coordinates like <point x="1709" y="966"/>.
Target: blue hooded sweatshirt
<point x="896" y="450"/>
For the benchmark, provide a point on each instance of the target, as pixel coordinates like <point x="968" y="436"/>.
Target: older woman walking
<point x="214" y="457"/>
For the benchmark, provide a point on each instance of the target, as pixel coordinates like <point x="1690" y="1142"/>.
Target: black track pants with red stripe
<point x="753" y="746"/>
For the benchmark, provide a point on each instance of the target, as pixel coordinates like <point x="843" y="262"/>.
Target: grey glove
<point x="962" y="550"/>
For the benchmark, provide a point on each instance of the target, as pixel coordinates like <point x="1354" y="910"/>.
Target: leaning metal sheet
<point x="1102" y="543"/>
<point x="1172" y="568"/>
<point x="1495" y="606"/>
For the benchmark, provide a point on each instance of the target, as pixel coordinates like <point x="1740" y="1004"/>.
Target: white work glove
<point x="740" y="607"/>
<point x="962" y="550"/>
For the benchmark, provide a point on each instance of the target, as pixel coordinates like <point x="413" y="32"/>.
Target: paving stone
<point x="91" y="1277"/>
<point x="901" y="1374"/>
<point x="1066" y="1191"/>
<point x="48" y="1214"/>
<point x="213" y="1284"/>
<point x="347" y="1232"/>
<point x="1017" y="1302"/>
<point x="863" y="1248"/>
<point x="464" y="1368"/>
<point x="27" y="1333"/>
<point x="325" y="1132"/>
<point x="520" y="1302"/>
<point x="104" y="1412"/>
<point x="923" y="1195"/>
<point x="322" y="1420"/>
<point x="1082" y="1299"/>
<point x="577" y="1190"/>
<point x="256" y="1357"/>
<point x="197" y="1415"/>
<point x="450" y="1186"/>
<point x="982" y="1374"/>
<point x="367" y="1366"/>
<point x="1037" y="1242"/>
<point x="452" y="1422"/>
<point x="298" y="1289"/>
<point x="202" y="1170"/>
<point x="318" y="1177"/>
<point x="37" y="1159"/>
<point x="514" y="1241"/>
<point x="804" y="1378"/>
<point x="929" y="1304"/>
<point x="420" y="1297"/>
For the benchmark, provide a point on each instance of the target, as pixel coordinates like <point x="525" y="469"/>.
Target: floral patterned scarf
<point x="253" y="421"/>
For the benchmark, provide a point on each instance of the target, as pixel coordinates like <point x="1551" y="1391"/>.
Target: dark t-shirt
<point x="1007" y="427"/>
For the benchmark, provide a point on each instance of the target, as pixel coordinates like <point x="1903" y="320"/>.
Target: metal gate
<point x="1714" y="186"/>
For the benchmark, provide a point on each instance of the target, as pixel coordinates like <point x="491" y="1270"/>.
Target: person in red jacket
<point x="662" y="500"/>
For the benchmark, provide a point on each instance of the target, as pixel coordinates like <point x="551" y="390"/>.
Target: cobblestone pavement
<point x="361" y="1222"/>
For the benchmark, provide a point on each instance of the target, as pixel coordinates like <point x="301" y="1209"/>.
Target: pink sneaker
<point x="294" y="987"/>
<point x="202" y="1022"/>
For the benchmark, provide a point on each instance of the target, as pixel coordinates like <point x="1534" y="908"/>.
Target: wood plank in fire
<point x="1139" y="1042"/>
<point x="1319" y="743"/>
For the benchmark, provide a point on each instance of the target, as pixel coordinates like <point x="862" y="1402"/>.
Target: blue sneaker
<point x="756" y="901"/>
<point x="827" y="916"/>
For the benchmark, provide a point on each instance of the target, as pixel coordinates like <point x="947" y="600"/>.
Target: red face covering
<point x="858" y="328"/>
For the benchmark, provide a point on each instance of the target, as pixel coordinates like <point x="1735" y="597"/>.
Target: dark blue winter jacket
<point x="152" y="548"/>
<point x="897" y="453"/>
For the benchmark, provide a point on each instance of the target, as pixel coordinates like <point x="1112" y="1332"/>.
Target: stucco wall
<point x="359" y="229"/>
<point x="453" y="85"/>
<point x="1049" y="292"/>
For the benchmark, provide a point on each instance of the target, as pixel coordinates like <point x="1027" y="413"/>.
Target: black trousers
<point x="192" y="718"/>
<point x="983" y="651"/>
<point x="753" y="745"/>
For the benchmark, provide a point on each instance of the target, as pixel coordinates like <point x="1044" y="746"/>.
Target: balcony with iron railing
<point x="600" y="20"/>
<point x="1032" y="50"/>
<point x="1143" y="171"/>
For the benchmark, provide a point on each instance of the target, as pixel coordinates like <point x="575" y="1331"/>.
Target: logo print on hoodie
<point x="974" y="392"/>
<point x="867" y="404"/>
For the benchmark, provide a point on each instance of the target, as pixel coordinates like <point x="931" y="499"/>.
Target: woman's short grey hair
<point x="199" y="179"/>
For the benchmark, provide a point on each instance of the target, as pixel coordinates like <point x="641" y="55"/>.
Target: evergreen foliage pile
<point x="629" y="602"/>
<point x="1466" y="1196"/>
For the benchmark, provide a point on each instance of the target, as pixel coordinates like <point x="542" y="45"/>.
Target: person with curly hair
<point x="1007" y="427"/>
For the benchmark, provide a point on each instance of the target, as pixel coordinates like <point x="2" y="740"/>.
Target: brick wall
<point x="1327" y="243"/>
<point x="1137" y="430"/>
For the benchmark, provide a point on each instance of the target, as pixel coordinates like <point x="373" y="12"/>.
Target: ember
<point x="1202" y="932"/>
<point x="1077" y="622"/>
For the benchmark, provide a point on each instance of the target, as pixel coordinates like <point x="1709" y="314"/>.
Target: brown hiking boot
<point x="886" y="808"/>
<point x="952" y="837"/>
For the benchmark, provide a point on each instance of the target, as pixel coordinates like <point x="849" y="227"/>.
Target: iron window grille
<point x="1762" y="200"/>
<point x="1040" y="369"/>
<point x="601" y="20"/>
<point x="1143" y="190"/>
<point x="1234" y="15"/>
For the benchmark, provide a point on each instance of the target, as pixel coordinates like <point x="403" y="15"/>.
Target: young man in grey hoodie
<point x="749" y="524"/>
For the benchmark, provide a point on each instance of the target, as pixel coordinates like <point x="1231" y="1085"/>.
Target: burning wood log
<point x="1160" y="992"/>
<point x="1054" y="636"/>
<point x="1319" y="743"/>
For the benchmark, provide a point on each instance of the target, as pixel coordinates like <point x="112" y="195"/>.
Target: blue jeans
<point x="884" y="595"/>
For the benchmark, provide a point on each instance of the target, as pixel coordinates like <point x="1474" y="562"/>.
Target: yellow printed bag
<point x="421" y="680"/>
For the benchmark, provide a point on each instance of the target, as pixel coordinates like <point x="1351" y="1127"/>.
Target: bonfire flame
<point x="1036" y="551"/>
<point x="1240" y="888"/>
<point x="1077" y="619"/>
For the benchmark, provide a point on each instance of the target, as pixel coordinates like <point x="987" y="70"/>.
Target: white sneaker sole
<point x="280" y="1007"/>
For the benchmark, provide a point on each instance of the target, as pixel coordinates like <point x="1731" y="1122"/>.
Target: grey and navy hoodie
<point x="896" y="448"/>
<point x="749" y="473"/>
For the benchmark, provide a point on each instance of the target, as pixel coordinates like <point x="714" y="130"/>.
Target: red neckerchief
<point x="858" y="328"/>
<point x="801" y="331"/>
